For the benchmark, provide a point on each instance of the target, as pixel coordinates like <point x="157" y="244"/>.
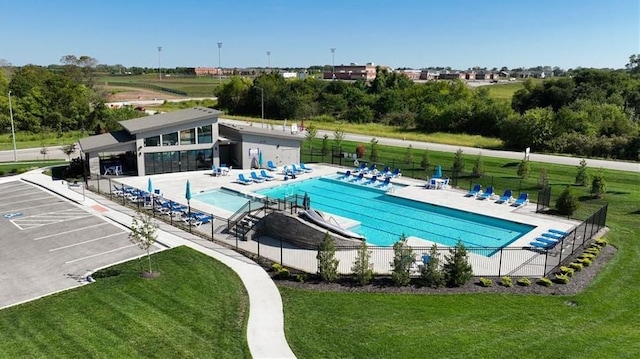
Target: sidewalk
<point x="265" y="327"/>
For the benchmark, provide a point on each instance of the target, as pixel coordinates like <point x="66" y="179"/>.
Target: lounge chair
<point x="216" y="171"/>
<point x="243" y="180"/>
<point x="542" y="245"/>
<point x="370" y="169"/>
<point x="358" y="179"/>
<point x="487" y="194"/>
<point x="475" y="191"/>
<point x="386" y="183"/>
<point x="547" y="240"/>
<point x="296" y="170"/>
<point x="346" y="175"/>
<point x="118" y="191"/>
<point x="553" y="236"/>
<point x="371" y="181"/>
<point x="521" y="200"/>
<point x="557" y="231"/>
<point x="266" y="176"/>
<point x="362" y="167"/>
<point x="271" y="166"/>
<point x="395" y="173"/>
<point x="201" y="220"/>
<point x="255" y="178"/>
<point x="505" y="198"/>
<point x="385" y="171"/>
<point x="305" y="168"/>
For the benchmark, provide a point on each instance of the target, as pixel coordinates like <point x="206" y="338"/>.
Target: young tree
<point x="312" y="132"/>
<point x="582" y="176"/>
<point x="567" y="203"/>
<point x="325" y="144"/>
<point x="543" y="178"/>
<point x="425" y="162"/>
<point x="403" y="257"/>
<point x="327" y="262"/>
<point x="362" y="268"/>
<point x="458" y="162"/>
<point x="143" y="234"/>
<point x="478" y="167"/>
<point x="69" y="150"/>
<point x="374" y="156"/>
<point x="598" y="186"/>
<point x="43" y="151"/>
<point x="338" y="136"/>
<point x="457" y="270"/>
<point x="524" y="169"/>
<point x="408" y="156"/>
<point x="431" y="273"/>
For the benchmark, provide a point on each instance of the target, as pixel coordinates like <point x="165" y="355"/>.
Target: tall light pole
<point x="13" y="130"/>
<point x="333" y="62"/>
<point x="159" y="67"/>
<point x="261" y="105"/>
<point x="219" y="64"/>
<point x="268" y="59"/>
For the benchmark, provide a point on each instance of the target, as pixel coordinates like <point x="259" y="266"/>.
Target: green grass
<point x="196" y="308"/>
<point x="604" y="324"/>
<point x="504" y="91"/>
<point x="192" y="86"/>
<point x="39" y="140"/>
<point x="21" y="167"/>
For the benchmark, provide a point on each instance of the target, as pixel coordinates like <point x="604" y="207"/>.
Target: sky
<point x="300" y="33"/>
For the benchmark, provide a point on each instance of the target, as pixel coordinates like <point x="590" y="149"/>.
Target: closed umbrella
<point x="438" y="172"/>
<point x="187" y="195"/>
<point x="149" y="186"/>
<point x="260" y="159"/>
<point x="150" y="190"/>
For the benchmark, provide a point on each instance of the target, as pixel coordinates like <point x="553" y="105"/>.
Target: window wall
<point x="178" y="161"/>
<point x="190" y="136"/>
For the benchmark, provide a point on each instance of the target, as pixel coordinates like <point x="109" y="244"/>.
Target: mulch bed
<point x="578" y="283"/>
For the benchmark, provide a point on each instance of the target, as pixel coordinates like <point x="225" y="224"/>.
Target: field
<point x="39" y="140"/>
<point x="20" y="167"/>
<point x="196" y="308"/>
<point x="175" y="85"/>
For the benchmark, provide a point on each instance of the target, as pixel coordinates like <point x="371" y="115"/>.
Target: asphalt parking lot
<point x="48" y="243"/>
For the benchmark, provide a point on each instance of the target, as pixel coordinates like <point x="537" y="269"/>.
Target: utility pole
<point x="268" y="59"/>
<point x="333" y="63"/>
<point x="159" y="66"/>
<point x="219" y="64"/>
<point x="13" y="130"/>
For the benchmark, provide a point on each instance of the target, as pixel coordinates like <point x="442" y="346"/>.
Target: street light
<point x="13" y="130"/>
<point x="333" y="66"/>
<point x="159" y="67"/>
<point x="219" y="64"/>
<point x="261" y="105"/>
<point x="268" y="59"/>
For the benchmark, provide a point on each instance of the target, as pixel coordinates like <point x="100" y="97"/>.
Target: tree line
<point x="592" y="113"/>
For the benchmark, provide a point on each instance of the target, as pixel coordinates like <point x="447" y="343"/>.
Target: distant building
<point x="429" y="75"/>
<point x="204" y="71"/>
<point x="353" y="72"/>
<point x="411" y="74"/>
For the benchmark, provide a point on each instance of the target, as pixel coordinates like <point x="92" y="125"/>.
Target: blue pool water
<point x="385" y="217"/>
<point x="228" y="200"/>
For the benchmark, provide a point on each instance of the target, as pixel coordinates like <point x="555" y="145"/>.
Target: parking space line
<point x="99" y="254"/>
<point x="43" y="222"/>
<point x="14" y="195"/>
<point x="44" y="205"/>
<point x="71" y="231"/>
<point x="85" y="242"/>
<point x="28" y="200"/>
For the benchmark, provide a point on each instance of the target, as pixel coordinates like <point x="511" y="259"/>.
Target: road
<point x="55" y="152"/>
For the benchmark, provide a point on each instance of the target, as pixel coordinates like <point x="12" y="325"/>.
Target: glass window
<point x="188" y="137"/>
<point x="152" y="141"/>
<point x="204" y="134"/>
<point x="170" y="139"/>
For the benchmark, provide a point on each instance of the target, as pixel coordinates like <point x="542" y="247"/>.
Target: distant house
<point x="207" y="71"/>
<point x="352" y="72"/>
<point x="411" y="74"/>
<point x="429" y="75"/>
<point x="452" y="76"/>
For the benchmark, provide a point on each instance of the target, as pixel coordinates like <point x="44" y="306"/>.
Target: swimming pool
<point x="384" y="218"/>
<point x="223" y="198"/>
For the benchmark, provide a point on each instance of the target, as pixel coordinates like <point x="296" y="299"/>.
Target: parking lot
<point x="48" y="244"/>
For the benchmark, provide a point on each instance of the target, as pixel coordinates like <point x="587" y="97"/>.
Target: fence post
<point x="500" y="263"/>
<point x="281" y="262"/>
<point x="546" y="258"/>
<point x="212" y="226"/>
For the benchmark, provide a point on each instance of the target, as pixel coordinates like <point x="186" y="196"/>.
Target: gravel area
<point x="578" y="283"/>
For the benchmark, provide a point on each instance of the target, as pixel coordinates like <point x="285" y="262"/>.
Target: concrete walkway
<point x="265" y="327"/>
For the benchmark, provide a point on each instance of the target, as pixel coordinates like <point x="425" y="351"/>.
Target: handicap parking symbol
<point x="12" y="215"/>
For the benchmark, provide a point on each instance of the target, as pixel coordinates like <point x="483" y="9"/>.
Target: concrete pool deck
<point x="173" y="188"/>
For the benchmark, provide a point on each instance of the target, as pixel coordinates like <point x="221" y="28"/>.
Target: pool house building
<point x="186" y="140"/>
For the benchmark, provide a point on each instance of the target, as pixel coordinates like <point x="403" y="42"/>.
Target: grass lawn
<point x="602" y="325"/>
<point x="21" y="167"/>
<point x="200" y="86"/>
<point x="196" y="308"/>
<point x="39" y="140"/>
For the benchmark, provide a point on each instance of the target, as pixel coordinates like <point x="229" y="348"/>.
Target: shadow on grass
<point x="635" y="212"/>
<point x="510" y="164"/>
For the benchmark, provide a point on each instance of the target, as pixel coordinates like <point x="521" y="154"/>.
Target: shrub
<point x="567" y="203"/>
<point x="576" y="266"/>
<point x="408" y="156"/>
<point x="425" y="162"/>
<point x="301" y="277"/>
<point x="360" y="150"/>
<point x="431" y="273"/>
<point x="374" y="155"/>
<point x="544" y="281"/>
<point x="327" y="262"/>
<point x="362" y="267"/>
<point x="568" y="271"/>
<point x="458" y="162"/>
<point x="582" y="176"/>
<point x="584" y="261"/>
<point x="506" y="281"/>
<point x="325" y="145"/>
<point x="601" y="242"/>
<point x="524" y="281"/>
<point x="478" y="167"/>
<point x="587" y="255"/>
<point x="543" y="178"/>
<point x="598" y="186"/>
<point x="281" y="272"/>
<point x="594" y="251"/>
<point x="457" y="270"/>
<point x="403" y="257"/>
<point x="562" y="278"/>
<point x="524" y="169"/>
<point x="485" y="282"/>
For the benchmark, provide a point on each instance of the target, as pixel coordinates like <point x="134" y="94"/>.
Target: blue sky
<point x="400" y="33"/>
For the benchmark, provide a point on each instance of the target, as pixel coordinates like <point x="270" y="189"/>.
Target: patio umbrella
<point x="187" y="195"/>
<point x="260" y="159"/>
<point x="438" y="172"/>
<point x="150" y="190"/>
<point x="149" y="186"/>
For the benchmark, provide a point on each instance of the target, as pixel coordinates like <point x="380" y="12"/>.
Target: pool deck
<point x="173" y="188"/>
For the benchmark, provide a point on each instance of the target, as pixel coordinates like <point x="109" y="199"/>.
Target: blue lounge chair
<point x="386" y="183"/>
<point x="475" y="192"/>
<point x="371" y="168"/>
<point x="371" y="181"/>
<point x="547" y="240"/>
<point x="216" y="171"/>
<point x="266" y="176"/>
<point x="346" y="175"/>
<point x="305" y="168"/>
<point x="243" y="180"/>
<point x="271" y="166"/>
<point x="385" y="171"/>
<point x="557" y="231"/>
<point x="554" y="236"/>
<point x="542" y="245"/>
<point x="358" y="179"/>
<point x="506" y="197"/>
<point x="487" y="194"/>
<point x="521" y="201"/>
<point x="255" y="178"/>
<point x="200" y="220"/>
<point x="296" y="170"/>
<point x="395" y="173"/>
<point x="362" y="167"/>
